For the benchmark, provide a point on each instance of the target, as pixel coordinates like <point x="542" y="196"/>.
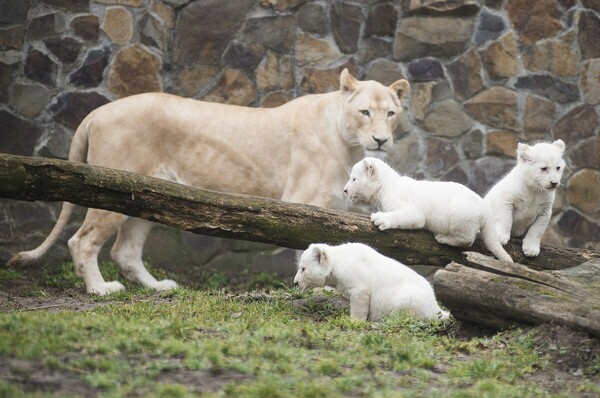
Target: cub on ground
<point x="376" y="285"/>
<point x="453" y="212"/>
<point x="521" y="202"/>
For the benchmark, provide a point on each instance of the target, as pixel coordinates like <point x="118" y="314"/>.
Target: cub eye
<point x="364" y="112"/>
<point x="558" y="168"/>
<point x="302" y="269"/>
<point x="354" y="179"/>
<point x="391" y="113"/>
<point x="544" y="169"/>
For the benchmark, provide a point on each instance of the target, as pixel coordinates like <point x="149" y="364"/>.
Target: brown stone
<point x="456" y="174"/>
<point x="441" y="156"/>
<point x="407" y="154"/>
<point x="471" y="144"/>
<point x="579" y="123"/>
<point x="66" y="49"/>
<point x="538" y="115"/>
<point x="276" y="33"/>
<point x="591" y="4"/>
<point x="155" y="33"/>
<point x="40" y="67"/>
<point x="500" y="58"/>
<point x="586" y="153"/>
<point x="11" y="38"/>
<point x="422" y="36"/>
<point x="134" y="70"/>
<point x="69" y="5"/>
<point x="465" y="73"/>
<point x="447" y="119"/>
<point x="534" y="19"/>
<point x="381" y="20"/>
<point x="282" y="5"/>
<point x="486" y="171"/>
<point x="90" y="73"/>
<point x="118" y="25"/>
<point x="496" y="107"/>
<point x="589" y="31"/>
<point x="276" y="72"/>
<point x="577" y="227"/>
<point x="373" y="47"/>
<point x="550" y="87"/>
<point x="17" y="136"/>
<point x="242" y="55"/>
<point x="86" y="26"/>
<point x="420" y="99"/>
<point x="276" y="98"/>
<point x="57" y="142"/>
<point x="191" y="80"/>
<point x="345" y="22"/>
<point x="128" y="3"/>
<point x="311" y="18"/>
<point x="584" y="192"/>
<point x="557" y="56"/>
<point x="314" y="51"/>
<point x="318" y="80"/>
<point x="205" y="42"/>
<point x="445" y="7"/>
<point x="5" y="80"/>
<point x="501" y="142"/>
<point x="590" y="81"/>
<point x="29" y="99"/>
<point x="164" y="12"/>
<point x="46" y="25"/>
<point x="384" y="71"/>
<point x="71" y="108"/>
<point x="234" y="87"/>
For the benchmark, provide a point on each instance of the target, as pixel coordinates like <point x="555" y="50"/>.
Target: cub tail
<point x="490" y="238"/>
<point x="77" y="153"/>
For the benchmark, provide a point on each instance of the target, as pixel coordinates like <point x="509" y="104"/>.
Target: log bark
<point x="501" y="295"/>
<point x="237" y="216"/>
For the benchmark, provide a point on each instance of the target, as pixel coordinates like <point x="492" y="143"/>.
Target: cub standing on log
<point x="376" y="285"/>
<point x="453" y="212"/>
<point x="522" y="201"/>
<point x="298" y="152"/>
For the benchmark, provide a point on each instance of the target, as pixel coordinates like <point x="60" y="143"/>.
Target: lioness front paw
<point x="531" y="249"/>
<point x="102" y="289"/>
<point x="165" y="284"/>
<point x="381" y="220"/>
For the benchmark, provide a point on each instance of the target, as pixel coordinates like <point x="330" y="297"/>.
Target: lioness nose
<point x="380" y="141"/>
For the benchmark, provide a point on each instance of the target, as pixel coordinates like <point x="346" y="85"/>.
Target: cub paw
<point x="531" y="249"/>
<point x="165" y="284"/>
<point x="380" y="220"/>
<point x="102" y="289"/>
<point x="503" y="237"/>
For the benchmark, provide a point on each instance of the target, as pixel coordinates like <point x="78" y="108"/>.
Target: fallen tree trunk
<point x="500" y="295"/>
<point x="236" y="216"/>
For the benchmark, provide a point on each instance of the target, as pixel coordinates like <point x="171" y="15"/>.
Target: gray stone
<point x="311" y="18"/>
<point x="422" y="36"/>
<point x="585" y="153"/>
<point x="420" y="99"/>
<point x="46" y="25"/>
<point x="17" y="136"/>
<point x="29" y="99"/>
<point x="14" y="11"/>
<point x="406" y="155"/>
<point x="86" y="26"/>
<point x="69" y="5"/>
<point x="313" y="51"/>
<point x="11" y="57"/>
<point x="5" y="80"/>
<point x="57" y="144"/>
<point x="276" y="33"/>
<point x="579" y="123"/>
<point x="425" y="69"/>
<point x="590" y="81"/>
<point x="191" y="80"/>
<point x="155" y="33"/>
<point x="40" y="67"/>
<point x="441" y="156"/>
<point x="443" y="7"/>
<point x="465" y="73"/>
<point x="589" y="31"/>
<point x="372" y="48"/>
<point x="447" y="119"/>
<point x="538" y="115"/>
<point x="71" y="108"/>
<point x="90" y="73"/>
<point x="550" y="87"/>
<point x="384" y="71"/>
<point x="487" y="171"/>
<point x="345" y="21"/>
<point x="456" y="174"/>
<point x="472" y="144"/>
<point x="381" y="20"/>
<point x="243" y="55"/>
<point x="66" y="49"/>
<point x="577" y="227"/>
<point x="490" y="27"/>
<point x="584" y="191"/>
<point x="282" y="5"/>
<point x="11" y="38"/>
<point x="205" y="28"/>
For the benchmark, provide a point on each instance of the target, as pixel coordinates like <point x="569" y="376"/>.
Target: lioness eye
<point x="544" y="169"/>
<point x="365" y="112"/>
<point x="391" y="113"/>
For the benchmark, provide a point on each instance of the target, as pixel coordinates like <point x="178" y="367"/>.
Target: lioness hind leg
<point x="85" y="245"/>
<point x="127" y="252"/>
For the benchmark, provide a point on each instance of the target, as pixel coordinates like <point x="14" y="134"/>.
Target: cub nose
<point x="379" y="141"/>
<point x="553" y="184"/>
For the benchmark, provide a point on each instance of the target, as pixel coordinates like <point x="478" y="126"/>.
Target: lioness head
<point x="370" y="111"/>
<point x="313" y="267"/>
<point x="542" y="164"/>
<point x="364" y="182"/>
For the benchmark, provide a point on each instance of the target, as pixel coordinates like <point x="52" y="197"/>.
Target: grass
<point x="219" y="343"/>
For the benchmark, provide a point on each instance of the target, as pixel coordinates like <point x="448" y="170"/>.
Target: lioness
<point x="298" y="152"/>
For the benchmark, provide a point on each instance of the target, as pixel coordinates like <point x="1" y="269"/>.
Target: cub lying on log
<point x="298" y="152"/>
<point x="376" y="285"/>
<point x="453" y="212"/>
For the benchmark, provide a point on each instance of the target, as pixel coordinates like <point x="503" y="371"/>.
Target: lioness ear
<point x="348" y="83"/>
<point x="401" y="88"/>
<point x="319" y="254"/>
<point x="523" y="153"/>
<point x="560" y="144"/>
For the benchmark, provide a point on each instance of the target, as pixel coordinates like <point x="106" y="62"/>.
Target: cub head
<point x="364" y="182"/>
<point x="542" y="164"/>
<point x="370" y="111"/>
<point x="314" y="267"/>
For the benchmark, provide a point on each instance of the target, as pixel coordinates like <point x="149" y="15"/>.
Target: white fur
<point x="376" y="285"/>
<point x="453" y="212"/>
<point x="521" y="202"/>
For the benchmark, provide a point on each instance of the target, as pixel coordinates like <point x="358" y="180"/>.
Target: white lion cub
<point x="376" y="285"/>
<point x="453" y="212"/>
<point x="521" y="202"/>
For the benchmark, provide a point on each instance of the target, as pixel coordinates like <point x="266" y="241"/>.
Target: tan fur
<point x="298" y="152"/>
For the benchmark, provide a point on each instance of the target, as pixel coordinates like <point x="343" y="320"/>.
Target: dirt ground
<point x="571" y="352"/>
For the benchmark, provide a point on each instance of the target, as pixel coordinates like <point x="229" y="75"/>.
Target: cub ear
<point x="319" y="254"/>
<point x="348" y="83"/>
<point x="523" y="155"/>
<point x="369" y="167"/>
<point x="560" y="144"/>
<point x="401" y="88"/>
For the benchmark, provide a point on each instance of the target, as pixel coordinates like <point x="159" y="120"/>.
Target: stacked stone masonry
<point x="485" y="75"/>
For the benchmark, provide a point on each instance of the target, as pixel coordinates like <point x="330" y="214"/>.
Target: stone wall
<point x="486" y="74"/>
